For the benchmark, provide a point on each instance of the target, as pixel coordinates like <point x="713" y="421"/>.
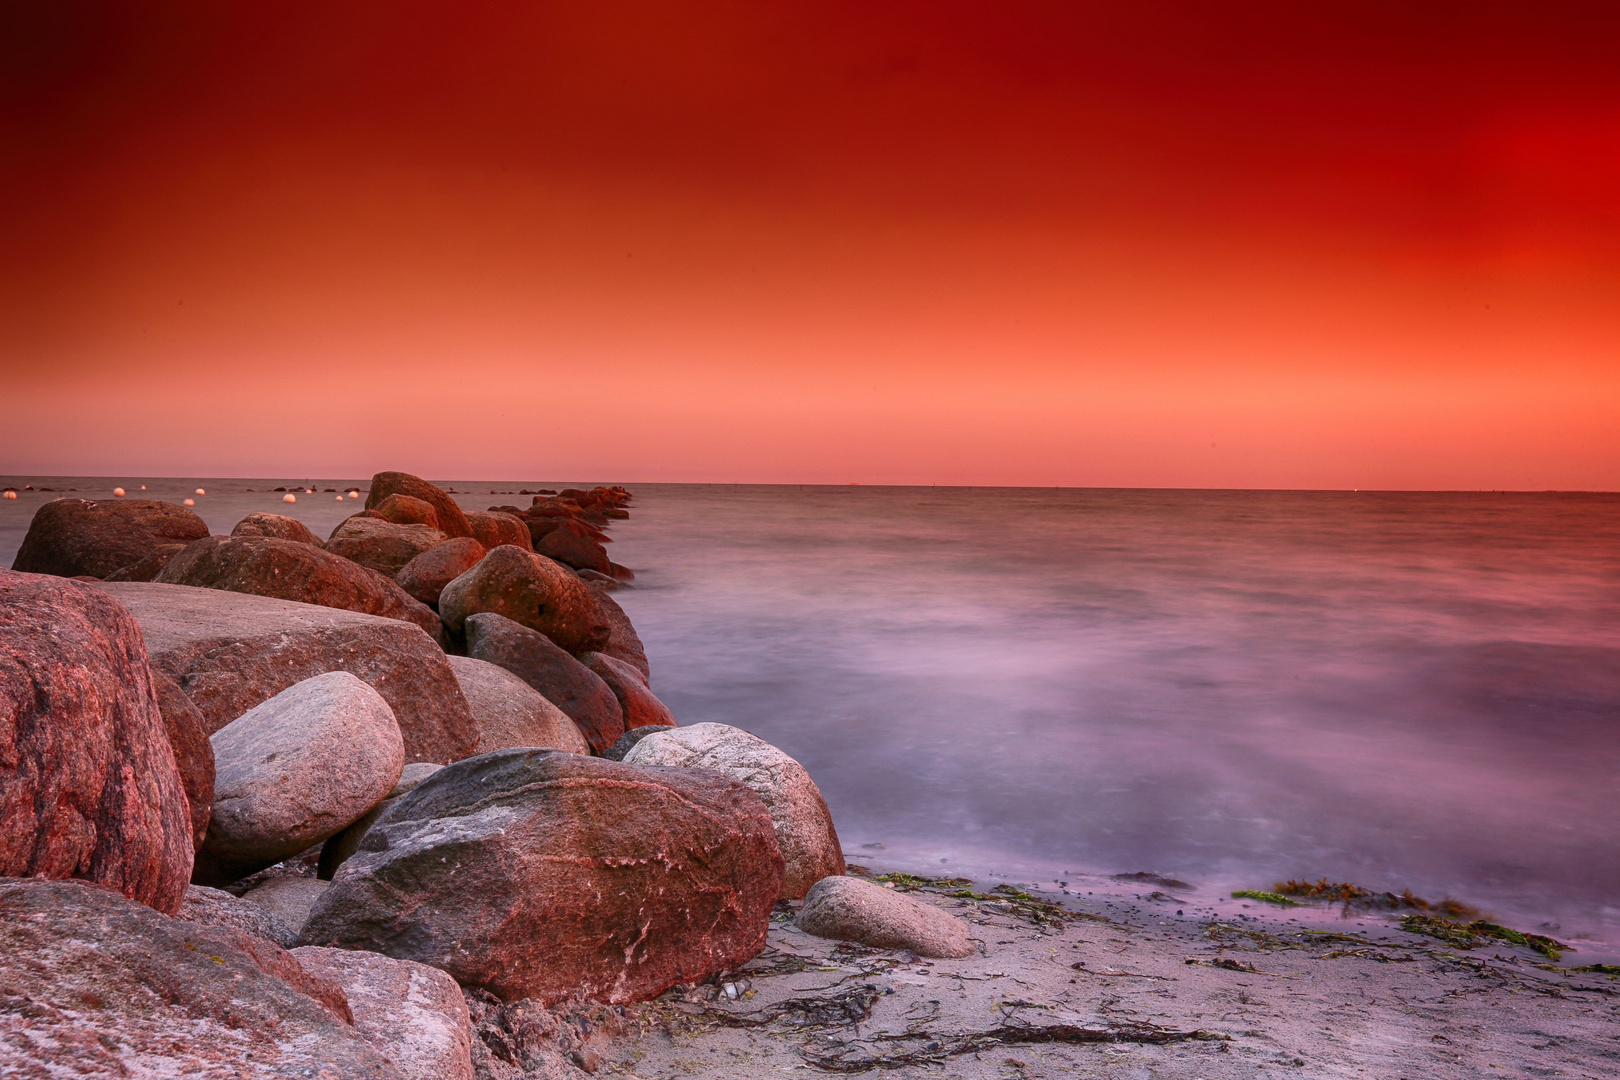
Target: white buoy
<point x="11" y="494"/>
<point x="355" y="494"/>
<point x="143" y="487"/>
<point x="191" y="502"/>
<point x="340" y="498"/>
<point x="118" y="492"/>
<point x="200" y="491"/>
<point x="289" y="497"/>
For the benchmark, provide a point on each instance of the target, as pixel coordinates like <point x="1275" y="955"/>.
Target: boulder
<point x="295" y="770"/>
<point x="215" y="907"/>
<point x="561" y="680"/>
<point x="532" y="590"/>
<point x="640" y="707"/>
<point x="495" y="527"/>
<point x="581" y="552"/>
<point x="632" y="736"/>
<point x="407" y="510"/>
<point x="804" y="828"/>
<point x="511" y="713"/>
<point x="288" y="898"/>
<point x="89" y="787"/>
<point x="70" y="537"/>
<point x="230" y="651"/>
<point x="425" y="576"/>
<point x="852" y="909"/>
<point x="412" y="1014"/>
<point x="381" y="545"/>
<point x="193" y="753"/>
<point x="149" y="567"/>
<point x="101" y="986"/>
<point x="337" y="850"/>
<point x="278" y="526"/>
<point x="541" y="874"/>
<point x="452" y="521"/>
<point x="289" y="570"/>
<point x="622" y="642"/>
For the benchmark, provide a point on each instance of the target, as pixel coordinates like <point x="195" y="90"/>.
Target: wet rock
<point x="296" y="770"/>
<point x="278" y="526"/>
<point x="89" y="787"/>
<point x="149" y="567"/>
<point x="412" y="1014"/>
<point x="494" y="528"/>
<point x="215" y="907"/>
<point x="452" y="521"/>
<point x="425" y="576"/>
<point x="622" y="642"/>
<point x="531" y="590"/>
<point x="511" y="713"/>
<point x="804" y="828"/>
<point x="230" y="651"/>
<point x="617" y="751"/>
<point x="562" y="680"/>
<point x="407" y="510"/>
<point x="193" y="753"/>
<point x="851" y="909"/>
<point x="336" y="851"/>
<point x="288" y="898"/>
<point x="116" y="989"/>
<point x="381" y="545"/>
<point x="289" y="570"/>
<point x="70" y="537"/>
<point x="568" y="547"/>
<point x="540" y="874"/>
<point x="629" y="685"/>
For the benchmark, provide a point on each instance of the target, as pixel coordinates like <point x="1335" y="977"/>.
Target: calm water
<point x="1402" y="690"/>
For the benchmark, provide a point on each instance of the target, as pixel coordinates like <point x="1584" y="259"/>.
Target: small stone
<point x="215" y="907"/>
<point x="287" y="898"/>
<point x="851" y="909"/>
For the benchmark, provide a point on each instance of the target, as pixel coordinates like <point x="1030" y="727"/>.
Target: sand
<point x="1217" y="991"/>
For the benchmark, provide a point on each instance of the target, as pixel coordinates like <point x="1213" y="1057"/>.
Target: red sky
<point x="1271" y="245"/>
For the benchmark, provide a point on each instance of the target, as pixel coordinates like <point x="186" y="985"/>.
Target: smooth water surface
<point x="1397" y="689"/>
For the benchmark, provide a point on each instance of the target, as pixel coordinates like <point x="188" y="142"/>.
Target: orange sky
<point x="1275" y="245"/>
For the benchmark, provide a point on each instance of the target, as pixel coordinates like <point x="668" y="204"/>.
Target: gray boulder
<point x="412" y="1014"/>
<point x="278" y="526"/>
<point x="565" y="682"/>
<point x="380" y="545"/>
<point x="530" y="590"/>
<point x="851" y="909"/>
<point x="511" y="713"/>
<point x="231" y="651"/>
<point x="540" y="874"/>
<point x="296" y="770"/>
<point x="215" y="907"/>
<point x="336" y="851"/>
<point x="288" y="897"/>
<point x="804" y="828"/>
<point x="629" y="739"/>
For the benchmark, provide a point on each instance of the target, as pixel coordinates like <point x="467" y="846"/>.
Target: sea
<point x="1403" y="690"/>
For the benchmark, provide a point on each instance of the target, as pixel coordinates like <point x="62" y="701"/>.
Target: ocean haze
<point x="1398" y="689"/>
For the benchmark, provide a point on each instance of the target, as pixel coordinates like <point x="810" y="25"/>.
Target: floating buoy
<point x="118" y="492"/>
<point x="200" y="491"/>
<point x="289" y="497"/>
<point x="355" y="494"/>
<point x="11" y="494"/>
<point x="340" y="498"/>
<point x="191" y="502"/>
<point x="143" y="487"/>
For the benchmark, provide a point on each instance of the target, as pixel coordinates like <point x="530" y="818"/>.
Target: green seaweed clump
<point x="1471" y="935"/>
<point x="1268" y="897"/>
<point x="1023" y="905"/>
<point x="912" y="882"/>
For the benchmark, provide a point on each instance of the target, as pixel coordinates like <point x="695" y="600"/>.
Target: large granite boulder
<point x="278" y="526"/>
<point x="496" y="527"/>
<point x="804" y="828"/>
<point x="150" y="566"/>
<point x="425" y="576"/>
<point x="532" y="590"/>
<point x="414" y="1015"/>
<point x="336" y="851"/>
<point x="216" y="907"/>
<point x="381" y="545"/>
<point x="101" y="986"/>
<point x="231" y="651"/>
<point x="193" y="754"/>
<point x="540" y="874"/>
<point x="289" y="570"/>
<point x="407" y="510"/>
<point x="452" y="521"/>
<point x="70" y="537"/>
<point x="641" y="708"/>
<point x="511" y="713"/>
<point x="852" y="909"/>
<point x="295" y="770"/>
<point x="562" y="680"/>
<point x="570" y="548"/>
<point x="622" y="641"/>
<point x="89" y="787"/>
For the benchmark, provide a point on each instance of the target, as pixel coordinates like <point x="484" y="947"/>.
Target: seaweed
<point x="1610" y="970"/>
<point x="1268" y="897"/>
<point x="1471" y="935"/>
<point x="851" y="1058"/>
<point x="1322" y="889"/>
<point x="1025" y="906"/>
<point x="912" y="882"/>
<point x="833" y="1010"/>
